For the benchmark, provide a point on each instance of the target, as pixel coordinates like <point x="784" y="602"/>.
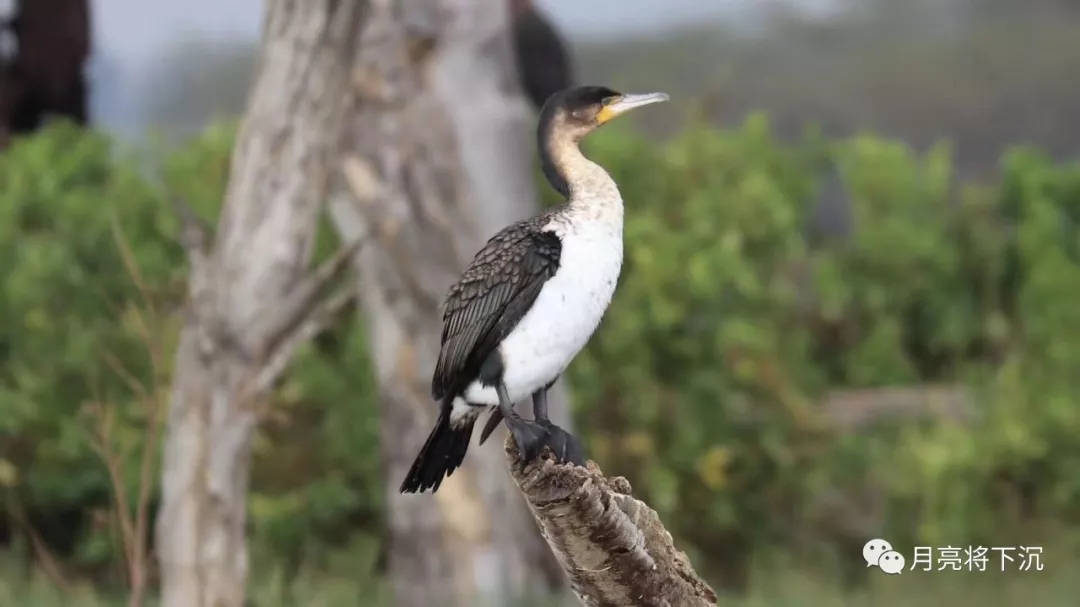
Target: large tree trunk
<point x="441" y="159"/>
<point x="251" y="299"/>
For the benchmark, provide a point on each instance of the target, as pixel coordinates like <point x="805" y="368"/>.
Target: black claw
<point x="532" y="436"/>
<point x="565" y="446"/>
<point x="528" y="436"/>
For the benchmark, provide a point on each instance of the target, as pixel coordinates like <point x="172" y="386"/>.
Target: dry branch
<point x="861" y="409"/>
<point x="613" y="547"/>
<point x="284" y="320"/>
<point x="194" y="236"/>
<point x="315" y="321"/>
<point x="252" y="297"/>
<point x="45" y="558"/>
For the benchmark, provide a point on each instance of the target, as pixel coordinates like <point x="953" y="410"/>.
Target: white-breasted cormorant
<point x="531" y="298"/>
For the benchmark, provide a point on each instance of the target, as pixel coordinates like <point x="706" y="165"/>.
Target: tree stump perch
<point x="613" y="547"/>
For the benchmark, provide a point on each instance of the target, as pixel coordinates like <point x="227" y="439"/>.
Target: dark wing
<point x="494" y="293"/>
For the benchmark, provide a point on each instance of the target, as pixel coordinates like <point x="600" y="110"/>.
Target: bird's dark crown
<point x="579" y="105"/>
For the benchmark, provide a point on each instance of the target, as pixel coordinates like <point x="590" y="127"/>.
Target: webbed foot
<point x="532" y="436"/>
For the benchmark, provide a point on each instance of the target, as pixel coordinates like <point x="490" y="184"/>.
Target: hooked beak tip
<point x="629" y="102"/>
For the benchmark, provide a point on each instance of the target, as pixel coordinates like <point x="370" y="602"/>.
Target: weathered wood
<point x="236" y="337"/>
<point x="441" y="158"/>
<point x="613" y="547"/>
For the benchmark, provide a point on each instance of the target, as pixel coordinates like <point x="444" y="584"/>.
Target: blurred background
<point x="851" y="304"/>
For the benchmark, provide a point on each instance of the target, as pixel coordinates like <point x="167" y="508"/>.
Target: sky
<point x="132" y="29"/>
<point x="130" y="32"/>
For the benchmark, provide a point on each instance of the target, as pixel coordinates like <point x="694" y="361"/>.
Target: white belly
<point x="565" y="314"/>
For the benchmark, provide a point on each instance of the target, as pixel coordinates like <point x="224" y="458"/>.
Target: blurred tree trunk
<point x="441" y="159"/>
<point x="7" y="101"/>
<point x="252" y="300"/>
<point x="53" y="46"/>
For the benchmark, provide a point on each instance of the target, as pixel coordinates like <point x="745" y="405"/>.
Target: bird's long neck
<point x="581" y="181"/>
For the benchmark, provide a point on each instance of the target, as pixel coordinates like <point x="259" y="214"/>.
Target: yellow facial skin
<point x="618" y="106"/>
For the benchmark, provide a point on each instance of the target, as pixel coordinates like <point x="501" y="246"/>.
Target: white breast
<point x="568" y="309"/>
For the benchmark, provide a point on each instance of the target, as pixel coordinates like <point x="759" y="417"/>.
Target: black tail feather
<point x="493" y="422"/>
<point x="442" y="453"/>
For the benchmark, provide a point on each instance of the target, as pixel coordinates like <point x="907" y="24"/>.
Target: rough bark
<point x="252" y="299"/>
<point x="612" y="546"/>
<point x="441" y="159"/>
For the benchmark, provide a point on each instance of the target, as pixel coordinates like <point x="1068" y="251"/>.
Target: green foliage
<point x="729" y="324"/>
<point x="729" y="327"/>
<point x="93" y="279"/>
<point x="75" y="327"/>
<point x="705" y="385"/>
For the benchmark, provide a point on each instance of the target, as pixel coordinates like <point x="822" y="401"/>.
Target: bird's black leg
<point x="540" y="409"/>
<point x="528" y="435"/>
<point x="532" y="436"/>
<point x="563" y="444"/>
<point x="540" y="413"/>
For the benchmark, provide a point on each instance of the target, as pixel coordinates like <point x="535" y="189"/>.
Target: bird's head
<point x="579" y="110"/>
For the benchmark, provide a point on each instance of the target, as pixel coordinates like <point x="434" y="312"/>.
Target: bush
<point x="93" y="282"/>
<point x="706" y="386"/>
